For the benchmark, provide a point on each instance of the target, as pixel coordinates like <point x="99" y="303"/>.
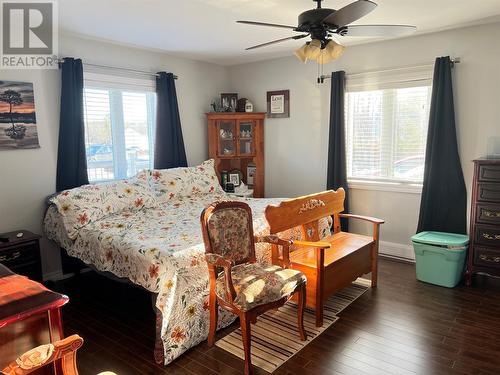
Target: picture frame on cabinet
<point x="251" y="174"/>
<point x="229" y="102"/>
<point x="234" y="177"/>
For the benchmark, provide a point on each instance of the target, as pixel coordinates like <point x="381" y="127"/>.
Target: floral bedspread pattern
<point x="81" y="206"/>
<point x="176" y="183"/>
<point x="159" y="248"/>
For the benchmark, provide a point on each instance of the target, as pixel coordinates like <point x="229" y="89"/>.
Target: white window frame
<point x="99" y="81"/>
<point x="416" y="76"/>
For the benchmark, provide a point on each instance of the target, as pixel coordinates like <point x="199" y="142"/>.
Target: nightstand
<point x="22" y="255"/>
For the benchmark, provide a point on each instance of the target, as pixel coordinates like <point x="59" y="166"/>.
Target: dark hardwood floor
<point x="402" y="327"/>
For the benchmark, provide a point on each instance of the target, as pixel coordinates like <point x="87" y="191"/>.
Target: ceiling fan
<point x="323" y="25"/>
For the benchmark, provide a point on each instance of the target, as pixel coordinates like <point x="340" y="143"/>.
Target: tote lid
<point x="449" y="240"/>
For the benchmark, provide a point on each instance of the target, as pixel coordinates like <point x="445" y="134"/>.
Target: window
<point x="386" y="129"/>
<point x="119" y="127"/>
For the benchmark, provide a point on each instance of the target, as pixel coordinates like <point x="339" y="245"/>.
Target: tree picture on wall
<point x="17" y="116"/>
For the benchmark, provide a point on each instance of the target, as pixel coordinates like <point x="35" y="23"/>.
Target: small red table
<point x="22" y="298"/>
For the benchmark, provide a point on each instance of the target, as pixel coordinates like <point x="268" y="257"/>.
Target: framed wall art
<point x="18" y="128"/>
<point x="278" y="104"/>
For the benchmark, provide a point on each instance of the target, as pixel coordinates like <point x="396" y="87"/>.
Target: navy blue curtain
<point x="337" y="163"/>
<point x="444" y="198"/>
<point x="71" y="158"/>
<point x="169" y="144"/>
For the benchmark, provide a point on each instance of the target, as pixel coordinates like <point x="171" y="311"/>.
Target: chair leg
<point x="319" y="314"/>
<point x="247" y="338"/>
<point x="300" y="312"/>
<point x="376" y="235"/>
<point x="214" y="310"/>
<point x="374" y="275"/>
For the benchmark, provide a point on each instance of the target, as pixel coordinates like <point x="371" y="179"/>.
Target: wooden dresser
<point x="484" y="250"/>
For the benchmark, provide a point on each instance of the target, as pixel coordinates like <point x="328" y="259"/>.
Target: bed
<point x="147" y="230"/>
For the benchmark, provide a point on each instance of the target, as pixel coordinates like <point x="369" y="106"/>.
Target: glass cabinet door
<point x="227" y="137"/>
<point x="246" y="138"/>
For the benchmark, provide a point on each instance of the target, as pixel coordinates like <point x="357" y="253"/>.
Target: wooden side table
<point x="22" y="299"/>
<point x="22" y="254"/>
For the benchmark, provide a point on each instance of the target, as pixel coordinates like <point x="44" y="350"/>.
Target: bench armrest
<point x="275" y="240"/>
<point x="376" y="223"/>
<point x="216" y="260"/>
<point x="373" y="220"/>
<point x="317" y="244"/>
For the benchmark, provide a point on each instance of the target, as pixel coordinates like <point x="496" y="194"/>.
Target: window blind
<point x="119" y="129"/>
<point x="386" y="126"/>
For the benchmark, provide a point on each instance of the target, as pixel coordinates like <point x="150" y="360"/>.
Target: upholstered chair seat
<point x="256" y="285"/>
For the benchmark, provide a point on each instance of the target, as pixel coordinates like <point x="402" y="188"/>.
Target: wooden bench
<point x="330" y="263"/>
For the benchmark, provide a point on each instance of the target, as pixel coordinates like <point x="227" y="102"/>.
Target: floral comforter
<point x="161" y="249"/>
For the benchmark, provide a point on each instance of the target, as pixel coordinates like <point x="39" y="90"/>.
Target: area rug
<point x="275" y="337"/>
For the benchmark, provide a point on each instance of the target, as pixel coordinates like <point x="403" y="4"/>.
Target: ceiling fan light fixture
<point x="314" y="49"/>
<point x="309" y="51"/>
<point x="301" y="53"/>
<point x="331" y="52"/>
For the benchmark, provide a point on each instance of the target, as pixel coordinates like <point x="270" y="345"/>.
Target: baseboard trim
<point x="397" y="251"/>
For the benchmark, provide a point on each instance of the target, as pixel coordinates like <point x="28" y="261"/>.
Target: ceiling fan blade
<point x="350" y="13"/>
<point x="266" y="24"/>
<point x="277" y="41"/>
<point x="377" y="30"/>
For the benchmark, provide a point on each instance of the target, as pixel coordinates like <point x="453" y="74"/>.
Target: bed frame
<point x="72" y="265"/>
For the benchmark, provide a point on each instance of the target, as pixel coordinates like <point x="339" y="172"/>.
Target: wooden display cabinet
<point x="235" y="141"/>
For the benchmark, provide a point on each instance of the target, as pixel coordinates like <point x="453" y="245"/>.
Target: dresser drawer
<point x="488" y="192"/>
<point x="489" y="173"/>
<point x="488" y="213"/>
<point x="486" y="258"/>
<point x="487" y="235"/>
<point x="16" y="256"/>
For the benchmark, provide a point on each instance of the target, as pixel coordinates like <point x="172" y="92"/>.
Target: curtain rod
<point x="321" y="78"/>
<point x="136" y="71"/>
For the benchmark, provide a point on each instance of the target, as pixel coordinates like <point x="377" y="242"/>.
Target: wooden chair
<point x="244" y="288"/>
<point x="330" y="263"/>
<point x="62" y="353"/>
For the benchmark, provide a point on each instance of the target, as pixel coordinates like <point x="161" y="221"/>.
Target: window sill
<point x="397" y="187"/>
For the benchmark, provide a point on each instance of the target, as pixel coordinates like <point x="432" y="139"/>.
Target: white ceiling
<point x="206" y="29"/>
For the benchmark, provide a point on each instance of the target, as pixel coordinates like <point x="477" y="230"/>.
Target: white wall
<point x="28" y="176"/>
<point x="296" y="147"/>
